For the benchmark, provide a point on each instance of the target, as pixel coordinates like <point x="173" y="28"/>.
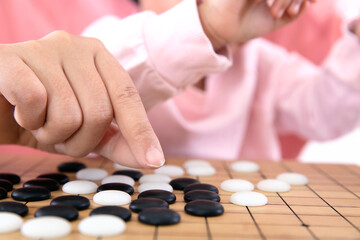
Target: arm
<point x="319" y="103"/>
<point x="166" y="53"/>
<point x="162" y="53"/>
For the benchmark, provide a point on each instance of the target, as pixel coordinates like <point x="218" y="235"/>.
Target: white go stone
<point x="9" y="222"/>
<point x="170" y="170"/>
<point x="112" y="197"/>
<point x="196" y="163"/>
<point x="249" y="199"/>
<point x="155" y="186"/>
<point x="273" y="185"/>
<point x="101" y="226"/>
<point x="80" y="187"/>
<point x="201" y="171"/>
<point x="154" y="178"/>
<point x="91" y="174"/>
<point x="119" y="179"/>
<point x="46" y="227"/>
<point x="121" y="167"/>
<point x="295" y="179"/>
<point x="236" y="185"/>
<point x="245" y="166"/>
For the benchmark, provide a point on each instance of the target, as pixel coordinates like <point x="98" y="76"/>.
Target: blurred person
<point x="202" y="124"/>
<point x="228" y="97"/>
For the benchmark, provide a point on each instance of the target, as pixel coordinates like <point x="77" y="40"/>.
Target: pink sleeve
<point x="319" y="103"/>
<point x="163" y="53"/>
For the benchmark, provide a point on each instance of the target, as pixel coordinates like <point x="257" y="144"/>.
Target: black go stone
<point x="3" y="193"/>
<point x="204" y="208"/>
<point x="59" y="177"/>
<point x="15" y="179"/>
<point x="136" y="175"/>
<point x="159" y="216"/>
<point x="29" y="194"/>
<point x="201" y="186"/>
<point x="78" y="202"/>
<point x="144" y="203"/>
<point x="201" y="195"/>
<point x="6" y="184"/>
<point x="118" y="211"/>
<point x="71" y="166"/>
<point x="47" y="183"/>
<point x="181" y="183"/>
<point x="62" y="211"/>
<point x="14" y="207"/>
<point x="116" y="186"/>
<point x="167" y="196"/>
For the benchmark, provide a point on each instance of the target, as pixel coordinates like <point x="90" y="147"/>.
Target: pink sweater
<point x="250" y="96"/>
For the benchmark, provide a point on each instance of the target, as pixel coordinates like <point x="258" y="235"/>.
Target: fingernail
<point x="270" y="2"/>
<point x="280" y="13"/>
<point x="295" y="8"/>
<point x="154" y="158"/>
<point x="60" y="148"/>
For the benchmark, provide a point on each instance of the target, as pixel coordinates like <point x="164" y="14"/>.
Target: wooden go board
<point x="327" y="208"/>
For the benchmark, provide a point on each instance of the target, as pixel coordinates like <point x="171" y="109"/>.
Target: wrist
<point x="217" y="42"/>
<point x="354" y="27"/>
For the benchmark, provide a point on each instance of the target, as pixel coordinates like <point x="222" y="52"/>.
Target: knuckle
<point x="294" y="2"/>
<point x="100" y="116"/>
<point x="96" y="43"/>
<point x="129" y="94"/>
<point x="61" y="34"/>
<point x="36" y="95"/>
<point x="59" y="38"/>
<point x="4" y="49"/>
<point x="58" y="127"/>
<point x="35" y="45"/>
<point x="44" y="136"/>
<point x="66" y="124"/>
<point x="70" y="122"/>
<point x="282" y="3"/>
<point x="58" y="130"/>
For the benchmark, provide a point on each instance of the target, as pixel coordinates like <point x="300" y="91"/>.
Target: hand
<point x="356" y="28"/>
<point x="237" y="21"/>
<point x="61" y="94"/>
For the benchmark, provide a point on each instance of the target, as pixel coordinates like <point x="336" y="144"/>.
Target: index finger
<point x="130" y="114"/>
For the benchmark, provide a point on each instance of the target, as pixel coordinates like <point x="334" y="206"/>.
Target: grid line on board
<point x="334" y="180"/>
<point x="298" y="217"/>
<point x="353" y="225"/>
<point x="103" y="163"/>
<point x="156" y="233"/>
<point x="324" y="173"/>
<point x="227" y="170"/>
<point x="348" y="169"/>
<point x="208" y="232"/>
<point x="255" y="222"/>
<point x="247" y="208"/>
<point x="293" y="212"/>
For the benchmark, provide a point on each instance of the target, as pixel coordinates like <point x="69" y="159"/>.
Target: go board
<point x="328" y="207"/>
